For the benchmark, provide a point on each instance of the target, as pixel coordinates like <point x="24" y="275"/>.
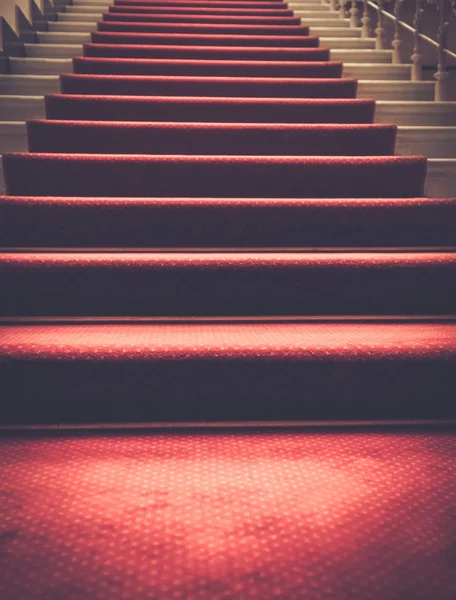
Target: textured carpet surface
<point x="227" y="372"/>
<point x="202" y="284"/>
<point x="133" y="27"/>
<point x="173" y="17"/>
<point x="195" y="9"/>
<point x="119" y="66"/>
<point x="126" y="50"/>
<point x="209" y="176"/>
<point x="216" y="222"/>
<point x="237" y="139"/>
<point x="205" y="109"/>
<point x="205" y="39"/>
<point x="335" y="516"/>
<point x="173" y="85"/>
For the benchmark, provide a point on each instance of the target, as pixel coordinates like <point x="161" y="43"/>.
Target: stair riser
<point x="71" y="107"/>
<point x="53" y="50"/>
<point x="168" y="390"/>
<point x="201" y="285"/>
<point x="218" y="223"/>
<point x="99" y="138"/>
<point x="396" y="90"/>
<point x="243" y="177"/>
<point x="377" y="72"/>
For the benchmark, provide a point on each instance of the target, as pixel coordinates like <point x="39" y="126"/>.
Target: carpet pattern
<point x="210" y="228"/>
<point x="335" y="516"/>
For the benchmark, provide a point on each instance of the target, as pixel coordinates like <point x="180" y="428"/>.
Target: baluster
<point x="379" y="42"/>
<point x="441" y="76"/>
<point x="354" y="21"/>
<point x="417" y="74"/>
<point x="365" y="21"/>
<point x="342" y="12"/>
<point x="333" y="4"/>
<point x="397" y="41"/>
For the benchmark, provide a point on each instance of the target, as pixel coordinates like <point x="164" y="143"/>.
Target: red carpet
<point x="53" y="222"/>
<point x="259" y="87"/>
<point x="176" y="17"/>
<point x="240" y="68"/>
<point x="212" y="176"/>
<point x="206" y="52"/>
<point x="208" y="109"/>
<point x="204" y="28"/>
<point x="205" y="39"/>
<point x="227" y="372"/>
<point x="210" y="230"/>
<point x="232" y="284"/>
<point x="237" y="139"/>
<point x="279" y="515"/>
<point x="196" y="9"/>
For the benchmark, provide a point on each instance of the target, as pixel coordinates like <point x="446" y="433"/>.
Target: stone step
<point x="357" y="56"/>
<point x="436" y="114"/>
<point x="433" y="142"/>
<point x="441" y="178"/>
<point x="347" y="43"/>
<point x="63" y="37"/>
<point x="53" y="50"/>
<point x="21" y="108"/>
<point x="29" y="85"/>
<point x="377" y="71"/>
<point x="81" y="26"/>
<point x="396" y="90"/>
<point x="40" y="66"/>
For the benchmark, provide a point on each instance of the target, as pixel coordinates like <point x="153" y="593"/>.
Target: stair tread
<point x="336" y="340"/>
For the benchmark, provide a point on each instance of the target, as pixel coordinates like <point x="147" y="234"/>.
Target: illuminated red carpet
<point x="209" y="228"/>
<point x="288" y="515"/>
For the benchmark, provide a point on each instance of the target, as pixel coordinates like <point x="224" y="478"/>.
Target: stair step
<point x="434" y="142"/>
<point x="441" y="178"/>
<point x="336" y="32"/>
<point x="275" y="41"/>
<point x="72" y="26"/>
<point x="169" y="108"/>
<point x="173" y="372"/>
<point x="79" y="137"/>
<point x="21" y="108"/>
<point x="134" y="28"/>
<point x="205" y="176"/>
<point x="416" y="113"/>
<point x="53" y="50"/>
<point x="13" y="136"/>
<point x="207" y="86"/>
<point x="396" y="90"/>
<point x="62" y="37"/>
<point x="377" y="72"/>
<point x="297" y="6"/>
<point x="70" y="222"/>
<point x="226" y="283"/>
<point x="202" y="68"/>
<point x="32" y="85"/>
<point x="70" y="17"/>
<point x="205" y="52"/>
<point x="40" y="66"/>
<point x="362" y="56"/>
<point x="197" y="9"/>
<point x="347" y="43"/>
<point x="200" y="19"/>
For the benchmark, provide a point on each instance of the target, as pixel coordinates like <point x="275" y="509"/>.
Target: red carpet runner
<point x="209" y="227"/>
<point x="206" y="160"/>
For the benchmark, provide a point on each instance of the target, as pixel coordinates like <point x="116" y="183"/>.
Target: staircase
<point x="218" y="214"/>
